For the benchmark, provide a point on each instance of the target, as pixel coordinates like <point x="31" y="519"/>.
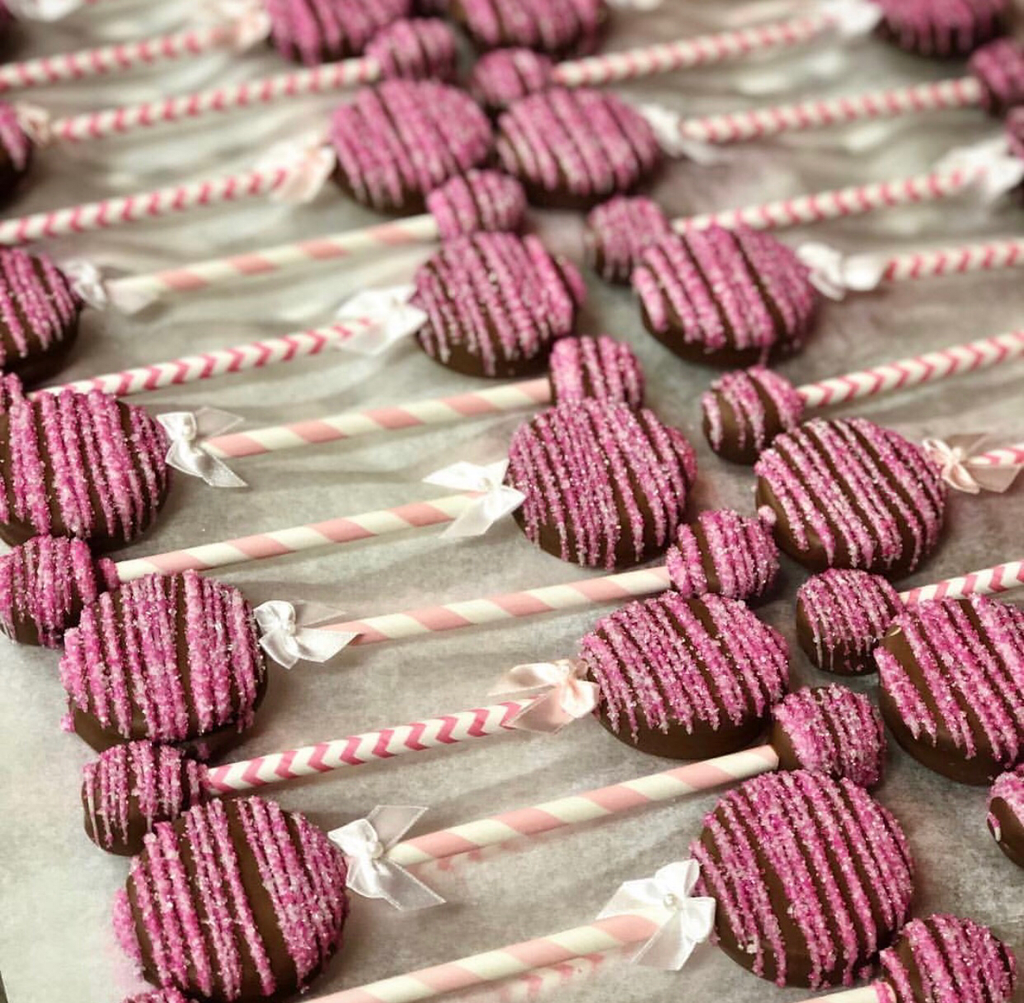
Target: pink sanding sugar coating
<point x="1009" y="789"/>
<point x="320" y="31"/>
<point x="619" y="231"/>
<point x="581" y="146"/>
<point x="847" y="612"/>
<point x="154" y="782"/>
<point x="722" y="290"/>
<point x="969" y="678"/>
<point x="160" y="996"/>
<point x="607" y="482"/>
<point x="13" y="138"/>
<point x="165" y="658"/>
<point x="601" y="368"/>
<point x="11" y="390"/>
<point x="834" y="731"/>
<point x="477" y="200"/>
<point x="82" y="465"/>
<point x="399" y="140"/>
<point x="943" y="27"/>
<point x="1000" y="68"/>
<point x="506" y="75"/>
<point x="759" y="405"/>
<point x="818" y="851"/>
<point x="671" y="663"/>
<point x="38" y="308"/>
<point x="725" y="553"/>
<point x="863" y="492"/>
<point x="204" y="914"/>
<point x="46" y="582"/>
<point x="558" y="27"/>
<point x="415" y="50"/>
<point x="498" y="299"/>
<point x="945" y="959"/>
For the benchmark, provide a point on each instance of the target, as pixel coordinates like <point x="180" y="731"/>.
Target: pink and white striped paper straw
<point x="1007" y="456"/>
<point x="987" y="581"/>
<point x="991" y="255"/>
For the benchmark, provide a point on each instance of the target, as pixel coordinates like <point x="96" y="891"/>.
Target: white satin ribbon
<point x="496" y="500"/>
<point x="42" y="10"/>
<point x="954" y="458"/>
<point x="35" y="122"/>
<point x="87" y="282"/>
<point x="186" y="430"/>
<point x="834" y="274"/>
<point x="392" y="319"/>
<point x="365" y="844"/>
<point x="309" y="162"/>
<point x="852" y="18"/>
<point x="569" y="696"/>
<point x="249" y="20"/>
<point x="670" y="130"/>
<point x="685" y="922"/>
<point x="288" y="632"/>
<point x="998" y="169"/>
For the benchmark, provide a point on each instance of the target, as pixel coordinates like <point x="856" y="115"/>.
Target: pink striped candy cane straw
<point x="988" y="581"/>
<point x="960" y="259"/>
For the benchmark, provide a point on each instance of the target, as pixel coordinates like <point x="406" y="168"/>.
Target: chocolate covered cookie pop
<point x="952" y="686"/>
<point x="942" y="27"/>
<point x="1006" y="814"/>
<point x="557" y="27"/>
<point x="235" y="901"/>
<point x="322" y="31"/>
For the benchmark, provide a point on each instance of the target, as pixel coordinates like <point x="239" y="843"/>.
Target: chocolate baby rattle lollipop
<point x="1006" y="814"/>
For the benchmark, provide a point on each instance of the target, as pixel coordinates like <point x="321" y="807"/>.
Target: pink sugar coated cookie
<point x="945" y="959"/>
<point x="725" y="553"/>
<point x="942" y="27"/>
<point x="11" y="390"/>
<point x="811" y="875"/>
<point x="841" y="615"/>
<point x="82" y="465"/>
<point x="557" y="27"/>
<point x="415" y="50"/>
<point x="170" y="659"/>
<point x="619" y="231"/>
<point x="686" y="678"/>
<point x="321" y="31"/>
<point x="605" y="485"/>
<point x="745" y="410"/>
<point x="236" y="901"/>
<point x="398" y="141"/>
<point x="851" y="494"/>
<point x="496" y="303"/>
<point x="725" y="297"/>
<point x="501" y="77"/>
<point x="477" y="200"/>
<point x="999" y="66"/>
<point x="160" y="996"/>
<point x="831" y="730"/>
<point x="601" y="368"/>
<point x="574" y="148"/>
<point x="132" y="787"/>
<point x="952" y="686"/>
<point x="1006" y="814"/>
<point x="45" y="583"/>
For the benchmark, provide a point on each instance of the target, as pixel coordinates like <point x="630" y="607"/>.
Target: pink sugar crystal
<point x="999" y="66"/>
<point x="477" y="200"/>
<point x="160" y="996"/>
<point x="415" y="50"/>
<point x="501" y="77"/>
<point x="601" y="368"/>
<point x="619" y="231"/>
<point x="943" y="27"/>
<point x="1009" y="788"/>
<point x="558" y="27"/>
<point x="319" y="31"/>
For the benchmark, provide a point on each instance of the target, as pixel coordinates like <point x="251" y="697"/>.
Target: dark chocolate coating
<point x="324" y="31"/>
<point x="566" y="32"/>
<point x="948" y="30"/>
<point x="1011" y="830"/>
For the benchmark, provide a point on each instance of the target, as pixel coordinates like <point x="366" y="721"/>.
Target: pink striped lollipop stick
<point x="987" y="581"/>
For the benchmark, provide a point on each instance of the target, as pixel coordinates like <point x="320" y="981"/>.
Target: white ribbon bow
<point x="496" y="500"/>
<point x="570" y="697"/>
<point x="42" y="10"/>
<point x="954" y="457"/>
<point x="996" y="168"/>
<point x="684" y="922"/>
<point x="185" y="430"/>
<point x="834" y="273"/>
<point x="669" y="129"/>
<point x="288" y="633"/>
<point x="35" y="122"/>
<point x="852" y="18"/>
<point x="387" y="317"/>
<point x="249" y="20"/>
<point x="87" y="282"/>
<point x="365" y="844"/>
<point x="309" y="162"/>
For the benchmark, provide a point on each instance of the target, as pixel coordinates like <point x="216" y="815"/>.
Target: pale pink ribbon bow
<point x="568" y="697"/>
<point x="956" y="459"/>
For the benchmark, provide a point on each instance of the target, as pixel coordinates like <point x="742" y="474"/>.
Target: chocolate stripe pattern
<point x="477" y="200"/>
<point x="600" y="368"/>
<point x="320" y="31"/>
<point x="619" y="231"/>
<point x="558" y="27"/>
<point x="952" y="28"/>
<point x="999" y="66"/>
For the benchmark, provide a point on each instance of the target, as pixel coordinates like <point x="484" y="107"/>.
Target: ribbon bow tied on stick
<point x="366" y="843"/>
<point x="852" y="18"/>
<point x="387" y="315"/>
<point x="308" y="163"/>
<point x="956" y="458"/>
<point x="185" y="432"/>
<point x="35" y="122"/>
<point x="834" y="273"/>
<point x="684" y="921"/>
<point x="568" y="697"/>
<point x="669" y="129"/>
<point x="248" y="20"/>
<point x="288" y="633"/>
<point x="496" y="500"/>
<point x="996" y="168"/>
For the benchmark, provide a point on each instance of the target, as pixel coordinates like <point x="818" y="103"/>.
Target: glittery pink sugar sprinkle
<point x="498" y="78"/>
<point x="761" y="403"/>
<point x="555" y="26"/>
<point x="950" y="28"/>
<point x="999" y="66"/>
<point x="316" y="31"/>
<point x="601" y="368"/>
<point x="1009" y="788"/>
<point x="619" y="231"/>
<point x="477" y="200"/>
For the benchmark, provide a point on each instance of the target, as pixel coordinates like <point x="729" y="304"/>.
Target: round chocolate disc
<point x="1006" y="814"/>
<point x="399" y="140"/>
<point x="945" y="959"/>
<point x="943" y="28"/>
<point x="16" y="151"/>
<point x="258" y="904"/>
<point x="811" y="876"/>
<point x="160" y="996"/>
<point x="496" y="303"/>
<point x="477" y="200"/>
<point x="574" y="148"/>
<point x="598" y="368"/>
<point x="851" y="494"/>
<point x="605" y="486"/>
<point x="686" y="678"/>
<point x="999" y="68"/>
<point x="322" y="31"/>
<point x="424" y="49"/>
<point x="619" y="231"/>
<point x="81" y="465"/>
<point x="174" y="660"/>
<point x="725" y="297"/>
<point x="558" y="27"/>
<point x="500" y="78"/>
<point x="952" y="686"/>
